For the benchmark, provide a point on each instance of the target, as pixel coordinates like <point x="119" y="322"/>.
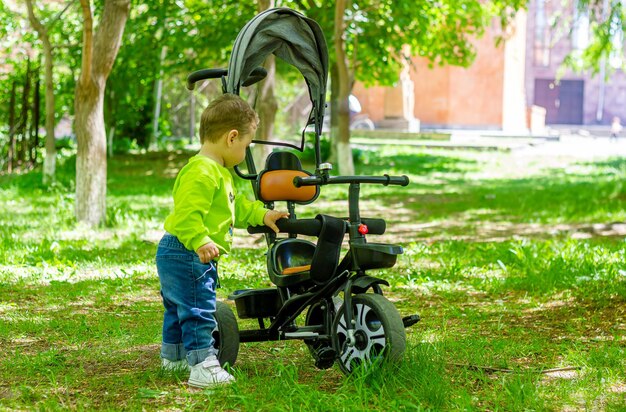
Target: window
<point x="541" y="44"/>
<point x="580" y="29"/>
<point x="617" y="42"/>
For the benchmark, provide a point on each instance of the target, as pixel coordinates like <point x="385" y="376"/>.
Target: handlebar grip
<point x="308" y="227"/>
<point x="258" y="74"/>
<point x="374" y="226"/>
<point x="204" y="74"/>
<point x="399" y="180"/>
<point x="313" y="227"/>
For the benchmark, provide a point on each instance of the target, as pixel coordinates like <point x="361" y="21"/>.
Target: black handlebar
<point x="384" y="180"/>
<point x="312" y="227"/>
<point x="204" y="74"/>
<point x="257" y="75"/>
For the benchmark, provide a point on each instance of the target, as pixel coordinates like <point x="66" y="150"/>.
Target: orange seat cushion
<point x="278" y="185"/>
<point x="296" y="269"/>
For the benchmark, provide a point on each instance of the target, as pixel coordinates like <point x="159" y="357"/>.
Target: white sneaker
<point x="209" y="373"/>
<point x="180" y="365"/>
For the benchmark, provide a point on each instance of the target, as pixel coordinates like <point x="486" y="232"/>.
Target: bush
<point x="65" y="142"/>
<point x="124" y="145"/>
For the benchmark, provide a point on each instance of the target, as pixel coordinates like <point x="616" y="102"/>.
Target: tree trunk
<point x="344" y="152"/>
<point x="91" y="160"/>
<point x="23" y="122"/>
<point x="158" y="92"/>
<point x="109" y="119"/>
<point x="110" y="138"/>
<point x="12" y="127"/>
<point x="34" y="126"/>
<point x="267" y="106"/>
<point x="49" y="163"/>
<point x="99" y="52"/>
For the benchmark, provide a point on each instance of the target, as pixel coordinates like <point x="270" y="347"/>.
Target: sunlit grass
<point x="512" y="264"/>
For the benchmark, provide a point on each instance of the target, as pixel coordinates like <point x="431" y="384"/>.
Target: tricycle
<point x="346" y="318"/>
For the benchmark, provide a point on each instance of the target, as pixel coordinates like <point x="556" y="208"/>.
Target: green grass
<point x="514" y="264"/>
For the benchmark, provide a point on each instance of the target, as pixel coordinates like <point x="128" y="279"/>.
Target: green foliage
<point x="198" y="34"/>
<point x="183" y="29"/>
<point x="124" y="145"/>
<point x="65" y="35"/>
<point x="439" y="31"/>
<point x="607" y="29"/>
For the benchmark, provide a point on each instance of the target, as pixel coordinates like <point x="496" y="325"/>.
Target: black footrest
<point x="410" y="320"/>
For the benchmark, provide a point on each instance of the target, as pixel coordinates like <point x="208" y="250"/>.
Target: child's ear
<point x="232" y="136"/>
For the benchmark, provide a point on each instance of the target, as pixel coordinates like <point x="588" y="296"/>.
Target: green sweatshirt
<point x="205" y="206"/>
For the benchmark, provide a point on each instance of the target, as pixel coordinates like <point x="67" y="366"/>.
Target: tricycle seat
<point x="289" y="261"/>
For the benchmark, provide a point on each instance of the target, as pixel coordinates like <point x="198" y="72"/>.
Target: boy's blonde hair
<point x="227" y="112"/>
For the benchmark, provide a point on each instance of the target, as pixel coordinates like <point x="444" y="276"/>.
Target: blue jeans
<point x="188" y="292"/>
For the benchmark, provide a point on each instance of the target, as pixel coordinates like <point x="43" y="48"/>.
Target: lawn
<point x="515" y="264"/>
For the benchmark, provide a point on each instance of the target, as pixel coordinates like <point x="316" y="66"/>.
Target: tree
<point x="375" y="31"/>
<point x="607" y="24"/>
<point x="343" y="85"/>
<point x="196" y="34"/>
<point x="49" y="164"/>
<point x="98" y="55"/>
<point x="266" y="106"/>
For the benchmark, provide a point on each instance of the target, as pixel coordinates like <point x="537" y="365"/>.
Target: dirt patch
<point x="409" y="230"/>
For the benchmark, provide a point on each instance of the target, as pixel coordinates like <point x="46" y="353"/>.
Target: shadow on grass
<point x="413" y="164"/>
<point x="74" y="253"/>
<point x="150" y="173"/>
<point x="586" y="196"/>
<point x="128" y="174"/>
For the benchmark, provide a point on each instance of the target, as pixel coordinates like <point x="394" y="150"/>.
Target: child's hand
<point x="271" y="217"/>
<point x="208" y="252"/>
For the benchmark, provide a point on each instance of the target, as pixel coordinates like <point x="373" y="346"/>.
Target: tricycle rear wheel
<point x="226" y="334"/>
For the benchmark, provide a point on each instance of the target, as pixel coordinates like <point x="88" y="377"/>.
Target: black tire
<point x="226" y="335"/>
<point x="379" y="331"/>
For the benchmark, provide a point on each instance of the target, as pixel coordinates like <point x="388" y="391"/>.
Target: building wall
<point x="372" y="100"/>
<point x="479" y="96"/>
<point x="613" y="92"/>
<point x="475" y="94"/>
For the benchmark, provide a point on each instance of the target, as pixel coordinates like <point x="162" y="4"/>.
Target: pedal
<point x="410" y="320"/>
<point x="301" y="335"/>
<point x="325" y="357"/>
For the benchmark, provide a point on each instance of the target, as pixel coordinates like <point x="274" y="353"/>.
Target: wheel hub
<point x="361" y="340"/>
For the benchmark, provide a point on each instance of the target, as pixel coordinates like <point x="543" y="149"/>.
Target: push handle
<point x="257" y="75"/>
<point x="204" y="74"/>
<point x="384" y="180"/>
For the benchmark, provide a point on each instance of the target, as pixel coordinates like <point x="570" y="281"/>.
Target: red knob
<point x="363" y="229"/>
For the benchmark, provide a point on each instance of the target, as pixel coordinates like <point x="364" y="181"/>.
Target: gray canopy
<point x="294" y="38"/>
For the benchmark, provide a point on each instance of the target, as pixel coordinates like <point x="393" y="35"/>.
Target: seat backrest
<point x="276" y="180"/>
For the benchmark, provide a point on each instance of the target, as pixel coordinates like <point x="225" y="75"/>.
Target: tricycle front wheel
<point x="378" y="330"/>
